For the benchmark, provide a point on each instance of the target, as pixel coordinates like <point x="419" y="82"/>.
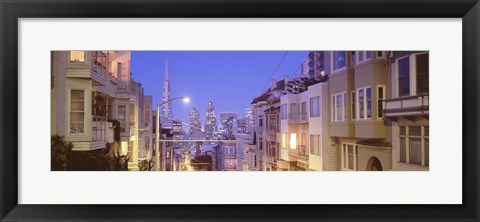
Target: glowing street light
<point x="157" y="130"/>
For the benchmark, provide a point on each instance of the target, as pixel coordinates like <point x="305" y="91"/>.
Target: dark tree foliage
<point x="59" y="153"/>
<point x="202" y="163"/>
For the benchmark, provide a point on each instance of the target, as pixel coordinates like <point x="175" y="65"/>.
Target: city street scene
<point x="239" y="110"/>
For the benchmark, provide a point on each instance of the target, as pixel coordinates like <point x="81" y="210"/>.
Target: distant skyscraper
<point x="194" y="123"/>
<point x="210" y="122"/>
<point x="166" y="112"/>
<point x="249" y="120"/>
<point x="228" y="120"/>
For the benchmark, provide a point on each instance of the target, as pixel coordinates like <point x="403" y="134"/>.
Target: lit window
<point x="77" y="111"/>
<point x="77" y="56"/>
<point x="284" y="140"/>
<point x="293" y="141"/>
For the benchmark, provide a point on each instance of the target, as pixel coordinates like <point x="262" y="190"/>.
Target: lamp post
<point x="157" y="130"/>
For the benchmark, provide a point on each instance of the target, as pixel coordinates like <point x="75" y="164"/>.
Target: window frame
<point x="380" y="100"/>
<point x="84" y="111"/>
<point x="333" y="62"/>
<point x="365" y="103"/>
<point x="408" y="77"/>
<point x="335" y="106"/>
<point x="311" y="99"/>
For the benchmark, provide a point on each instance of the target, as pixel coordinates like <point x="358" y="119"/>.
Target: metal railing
<point x="99" y="128"/>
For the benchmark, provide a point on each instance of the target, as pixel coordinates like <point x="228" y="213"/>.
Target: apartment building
<point x="304" y="138"/>
<point x="265" y="154"/>
<point x="406" y="109"/>
<point x="358" y="86"/>
<point x="91" y="92"/>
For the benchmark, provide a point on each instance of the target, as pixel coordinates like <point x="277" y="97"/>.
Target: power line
<point x="275" y="70"/>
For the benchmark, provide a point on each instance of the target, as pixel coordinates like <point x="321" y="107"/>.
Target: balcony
<point x="301" y="151"/>
<point x="406" y="106"/>
<point x="100" y="129"/>
<point x="100" y="73"/>
<point x="296" y="118"/>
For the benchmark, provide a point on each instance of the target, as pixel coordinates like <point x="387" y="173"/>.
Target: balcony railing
<point x="99" y="128"/>
<point x="410" y="106"/>
<point x="298" y="118"/>
<point x="301" y="151"/>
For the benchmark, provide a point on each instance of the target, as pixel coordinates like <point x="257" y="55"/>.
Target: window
<point x="364" y="103"/>
<point x="369" y="55"/>
<point x="422" y="73"/>
<point x="339" y="58"/>
<point x="414" y="145"/>
<point x="369" y="102"/>
<point x="353" y="106"/>
<point x="293" y="141"/>
<point x="284" y="140"/>
<point x="260" y="143"/>
<point x="77" y="111"/>
<point x="304" y="111"/>
<point x="315" y="106"/>
<point x="380" y="98"/>
<point x="294" y="113"/>
<point x="260" y="120"/>
<point x="344" y="106"/>
<point x="379" y="54"/>
<point x="350" y="157"/>
<point x="360" y="56"/>
<point x="283" y="111"/>
<point x="361" y="104"/>
<point x="77" y="56"/>
<point x="315" y="145"/>
<point x="338" y="107"/>
<point x="404" y="77"/>
<point x="122" y="114"/>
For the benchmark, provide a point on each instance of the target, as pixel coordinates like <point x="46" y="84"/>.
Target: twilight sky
<point x="230" y="79"/>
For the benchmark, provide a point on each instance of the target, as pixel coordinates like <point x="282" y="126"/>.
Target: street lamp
<point x="157" y="130"/>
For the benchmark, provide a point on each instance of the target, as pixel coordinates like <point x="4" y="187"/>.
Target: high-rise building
<point x="228" y="120"/>
<point x="166" y="112"/>
<point x="194" y="123"/>
<point x="249" y="120"/>
<point x="211" y="121"/>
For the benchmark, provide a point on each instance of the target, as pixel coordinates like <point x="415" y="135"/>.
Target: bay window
<point x="339" y="105"/>
<point x="364" y="103"/>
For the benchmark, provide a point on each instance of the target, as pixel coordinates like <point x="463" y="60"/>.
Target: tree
<point x="60" y="151"/>
<point x="202" y="163"/>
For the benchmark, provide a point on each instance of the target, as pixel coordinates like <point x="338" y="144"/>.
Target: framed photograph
<point x="226" y="110"/>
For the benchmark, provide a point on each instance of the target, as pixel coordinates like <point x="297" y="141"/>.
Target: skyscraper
<point x="210" y="122"/>
<point x="194" y="123"/>
<point x="228" y="120"/>
<point x="166" y="113"/>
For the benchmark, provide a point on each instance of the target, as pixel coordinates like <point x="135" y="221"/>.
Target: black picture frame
<point x="11" y="11"/>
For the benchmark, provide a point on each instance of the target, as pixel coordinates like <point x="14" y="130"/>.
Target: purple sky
<point x="230" y="79"/>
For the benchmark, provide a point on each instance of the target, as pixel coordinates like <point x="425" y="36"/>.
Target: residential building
<point x="406" y="109"/>
<point x="93" y="93"/>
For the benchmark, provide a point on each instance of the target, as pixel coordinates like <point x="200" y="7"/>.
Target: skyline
<point x="199" y="74"/>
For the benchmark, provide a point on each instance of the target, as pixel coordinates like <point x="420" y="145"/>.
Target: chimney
<point x="274" y="84"/>
<point x="285" y="78"/>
